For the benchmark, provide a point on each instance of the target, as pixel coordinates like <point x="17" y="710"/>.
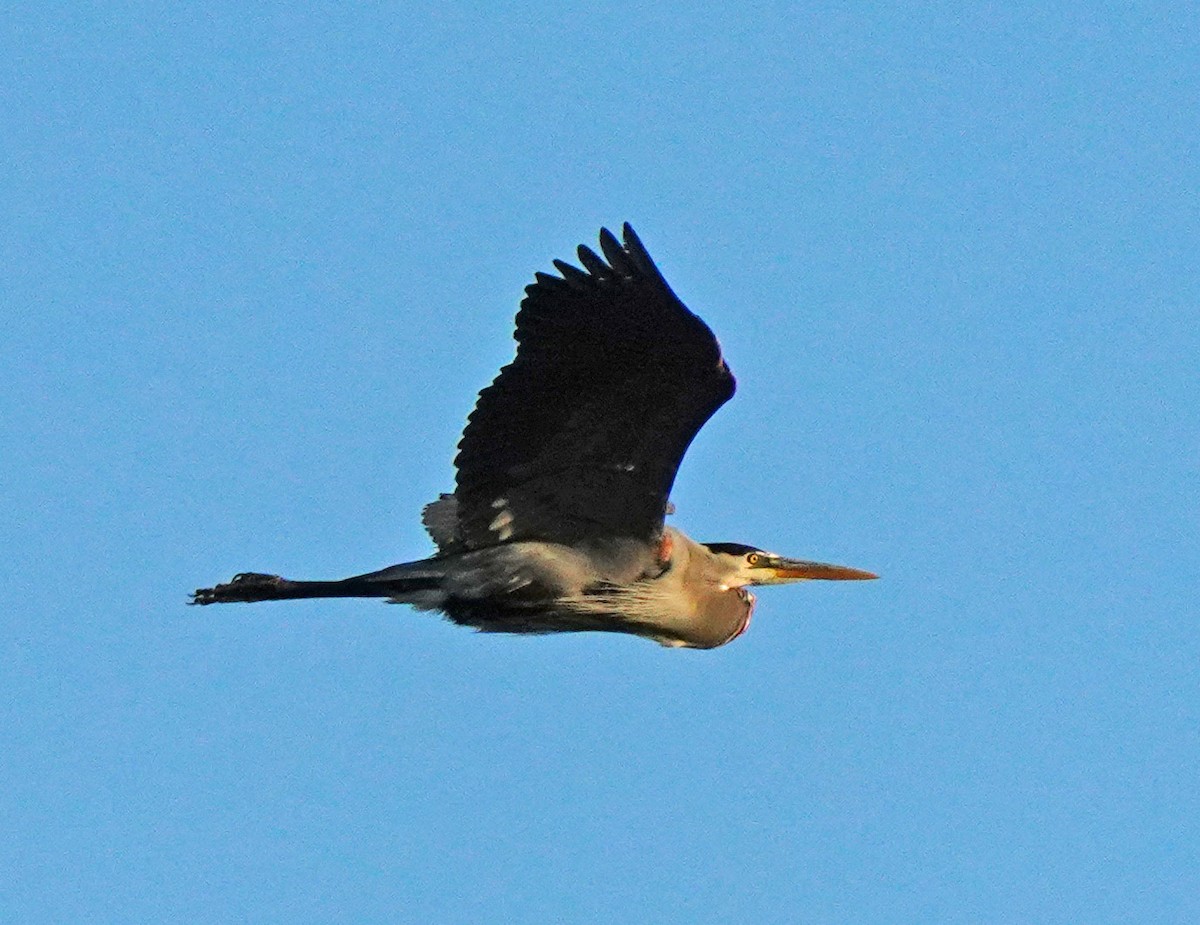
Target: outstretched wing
<point x="581" y="435"/>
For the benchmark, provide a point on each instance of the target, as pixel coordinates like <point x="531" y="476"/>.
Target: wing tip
<point x="639" y="255"/>
<point x="573" y="276"/>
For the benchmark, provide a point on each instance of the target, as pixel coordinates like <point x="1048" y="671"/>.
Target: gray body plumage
<point x="612" y="585"/>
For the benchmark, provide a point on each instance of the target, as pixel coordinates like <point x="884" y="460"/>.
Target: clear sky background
<point x="256" y="262"/>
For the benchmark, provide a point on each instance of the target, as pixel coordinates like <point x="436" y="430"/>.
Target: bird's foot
<point x="244" y="587"/>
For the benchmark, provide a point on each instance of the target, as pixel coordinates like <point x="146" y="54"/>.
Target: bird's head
<point x="746" y="565"/>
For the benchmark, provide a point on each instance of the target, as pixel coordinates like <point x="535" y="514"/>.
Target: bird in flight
<point x="557" y="520"/>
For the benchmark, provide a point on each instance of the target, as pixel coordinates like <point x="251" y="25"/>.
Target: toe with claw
<point x="244" y="587"/>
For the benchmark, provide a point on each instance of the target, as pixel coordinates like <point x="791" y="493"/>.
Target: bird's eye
<point x="753" y="558"/>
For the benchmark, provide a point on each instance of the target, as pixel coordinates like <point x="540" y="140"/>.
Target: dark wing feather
<point x="581" y="435"/>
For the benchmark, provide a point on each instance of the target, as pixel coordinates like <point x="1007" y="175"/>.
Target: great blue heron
<point x="556" y="523"/>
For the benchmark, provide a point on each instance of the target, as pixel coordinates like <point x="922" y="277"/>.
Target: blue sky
<point x="257" y="261"/>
